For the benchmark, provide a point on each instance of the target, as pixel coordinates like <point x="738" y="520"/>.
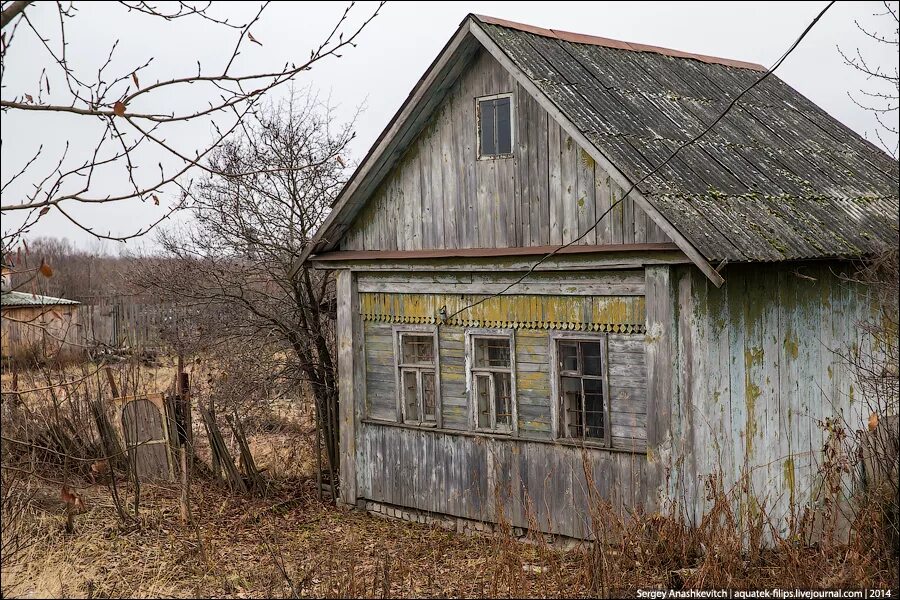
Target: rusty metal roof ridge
<point x="580" y="38"/>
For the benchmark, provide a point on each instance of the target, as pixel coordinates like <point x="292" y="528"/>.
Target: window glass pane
<point x="503" y="391"/>
<point x="568" y="356"/>
<point x="593" y="404"/>
<point x="492" y="352"/>
<point x="487" y="124"/>
<point x="570" y="389"/>
<point x="483" y="397"/>
<point x="590" y="353"/>
<point x="504" y="127"/>
<point x="410" y="395"/>
<point x="428" y="403"/>
<point x="418" y="349"/>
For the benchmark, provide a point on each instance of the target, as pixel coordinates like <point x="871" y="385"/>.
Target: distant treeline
<point x="75" y="273"/>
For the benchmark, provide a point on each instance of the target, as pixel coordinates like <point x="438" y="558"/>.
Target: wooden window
<point x="495" y="126"/>
<point x="581" y="386"/>
<point x="416" y="361"/>
<point x="491" y="379"/>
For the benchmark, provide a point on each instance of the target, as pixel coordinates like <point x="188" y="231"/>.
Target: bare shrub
<point x="238" y="261"/>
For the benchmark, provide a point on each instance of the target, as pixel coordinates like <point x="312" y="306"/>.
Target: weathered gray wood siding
<point x="464" y="474"/>
<point x="758" y="368"/>
<point x="735" y="381"/>
<point x="441" y="196"/>
<point x="455" y="471"/>
<point x="627" y="371"/>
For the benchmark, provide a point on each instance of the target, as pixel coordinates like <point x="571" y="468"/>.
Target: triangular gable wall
<point x="439" y="195"/>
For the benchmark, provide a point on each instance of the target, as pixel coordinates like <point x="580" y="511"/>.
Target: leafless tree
<point x="135" y="115"/>
<point x="882" y="97"/>
<point x="78" y="273"/>
<point x="267" y="192"/>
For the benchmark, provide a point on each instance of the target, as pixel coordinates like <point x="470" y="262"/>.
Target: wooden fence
<point x="114" y="322"/>
<point x="127" y="323"/>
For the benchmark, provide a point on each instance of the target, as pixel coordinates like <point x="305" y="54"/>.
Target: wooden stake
<point x="114" y="389"/>
<point x="182" y="393"/>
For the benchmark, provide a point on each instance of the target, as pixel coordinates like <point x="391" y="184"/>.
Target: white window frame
<point x="512" y="126"/>
<point x="398" y="331"/>
<point x="471" y="370"/>
<point x="558" y="414"/>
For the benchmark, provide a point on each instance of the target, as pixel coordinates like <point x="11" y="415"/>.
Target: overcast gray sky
<point x="400" y="44"/>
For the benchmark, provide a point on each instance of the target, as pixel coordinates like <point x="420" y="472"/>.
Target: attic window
<point x="495" y="126"/>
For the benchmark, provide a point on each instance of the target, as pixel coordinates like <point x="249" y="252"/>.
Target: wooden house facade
<point x="35" y="326"/>
<point x="533" y="316"/>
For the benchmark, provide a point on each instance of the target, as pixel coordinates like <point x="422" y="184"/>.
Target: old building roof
<point x="18" y="299"/>
<point x="776" y="179"/>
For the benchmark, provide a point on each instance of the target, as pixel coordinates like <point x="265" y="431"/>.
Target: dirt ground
<point x="287" y="545"/>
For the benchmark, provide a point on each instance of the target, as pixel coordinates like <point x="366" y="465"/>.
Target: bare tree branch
<point x="115" y="101"/>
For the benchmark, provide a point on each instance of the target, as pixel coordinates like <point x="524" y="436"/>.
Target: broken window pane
<point x="593" y="408"/>
<point x="492" y="352"/>
<point x="503" y="400"/>
<point x="428" y="402"/>
<point x="483" y="396"/>
<point x="570" y="389"/>
<point x="410" y="394"/>
<point x="593" y="364"/>
<point x="418" y="349"/>
<point x="581" y="380"/>
<point x="568" y="356"/>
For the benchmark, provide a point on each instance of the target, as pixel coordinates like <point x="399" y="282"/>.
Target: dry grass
<point x="289" y="544"/>
<point x="325" y="551"/>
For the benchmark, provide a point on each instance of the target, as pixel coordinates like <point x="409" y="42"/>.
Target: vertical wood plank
<point x="690" y="373"/>
<point x="351" y="377"/>
<point x="450" y="196"/>
<point x="603" y="198"/>
<point x="569" y="159"/>
<point x="640" y="225"/>
<point x="660" y="350"/>
<point x="617" y="214"/>
<point x="541" y="166"/>
<point x="554" y="160"/>
<point x="585" y="198"/>
<point x="526" y="180"/>
<point x="426" y="175"/>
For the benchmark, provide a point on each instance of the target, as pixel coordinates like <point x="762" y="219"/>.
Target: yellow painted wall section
<point x="619" y="314"/>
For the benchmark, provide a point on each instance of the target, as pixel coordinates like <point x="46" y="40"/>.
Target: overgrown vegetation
<point x="287" y="543"/>
<point x="238" y="261"/>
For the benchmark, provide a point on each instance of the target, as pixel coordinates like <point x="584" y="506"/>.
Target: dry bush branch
<point x="129" y="117"/>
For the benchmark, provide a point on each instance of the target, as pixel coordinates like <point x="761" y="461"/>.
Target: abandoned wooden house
<point x="34" y="325"/>
<point x="691" y="327"/>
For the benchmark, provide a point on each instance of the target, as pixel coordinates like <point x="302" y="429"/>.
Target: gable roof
<point x="776" y="179"/>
